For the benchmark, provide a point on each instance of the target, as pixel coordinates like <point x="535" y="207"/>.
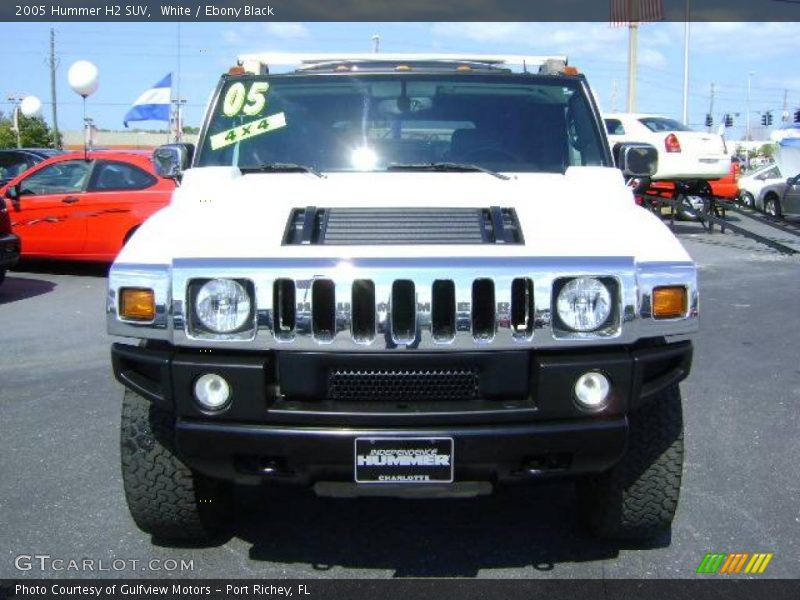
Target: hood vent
<point x="401" y="226"/>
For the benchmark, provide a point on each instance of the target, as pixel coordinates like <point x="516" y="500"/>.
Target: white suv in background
<point x="751" y="186"/>
<point x="682" y="153"/>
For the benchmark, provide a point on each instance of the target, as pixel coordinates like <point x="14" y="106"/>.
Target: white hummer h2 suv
<point x="402" y="275"/>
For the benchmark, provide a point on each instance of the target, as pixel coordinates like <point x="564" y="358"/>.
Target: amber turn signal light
<point x="137" y="304"/>
<point x="669" y="302"/>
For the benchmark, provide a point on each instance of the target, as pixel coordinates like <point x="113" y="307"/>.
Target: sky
<point x="131" y="57"/>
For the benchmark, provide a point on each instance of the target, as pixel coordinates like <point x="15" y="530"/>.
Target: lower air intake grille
<point x="403" y="385"/>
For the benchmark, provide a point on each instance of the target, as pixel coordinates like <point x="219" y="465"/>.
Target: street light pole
<point x="15" y="119"/>
<point x="749" y="77"/>
<point x="686" y="66"/>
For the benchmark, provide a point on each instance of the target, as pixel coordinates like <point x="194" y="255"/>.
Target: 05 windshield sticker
<point x="240" y="100"/>
<point x="247" y="131"/>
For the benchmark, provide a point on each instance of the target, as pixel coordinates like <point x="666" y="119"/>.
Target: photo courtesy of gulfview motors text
<point x="111" y="590"/>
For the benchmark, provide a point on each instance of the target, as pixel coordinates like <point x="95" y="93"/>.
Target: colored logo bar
<point x="734" y="563"/>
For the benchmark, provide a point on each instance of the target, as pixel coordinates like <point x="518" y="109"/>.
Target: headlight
<point x="584" y="304"/>
<point x="222" y="305"/>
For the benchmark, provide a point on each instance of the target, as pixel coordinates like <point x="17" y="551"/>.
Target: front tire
<point x="166" y="499"/>
<point x="747" y="200"/>
<point x="772" y="206"/>
<point x="637" y="498"/>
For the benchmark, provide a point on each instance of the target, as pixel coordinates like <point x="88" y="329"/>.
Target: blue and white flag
<point x="153" y="104"/>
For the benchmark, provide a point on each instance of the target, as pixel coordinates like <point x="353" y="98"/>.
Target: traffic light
<point x="797" y="116"/>
<point x="709" y="120"/>
<point x="769" y="118"/>
<point x="764" y="119"/>
<point x="729" y="120"/>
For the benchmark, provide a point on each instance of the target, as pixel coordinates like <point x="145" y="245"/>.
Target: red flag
<point x="624" y="12"/>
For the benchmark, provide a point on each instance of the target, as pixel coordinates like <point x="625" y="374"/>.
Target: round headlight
<point x="222" y="305"/>
<point x="584" y="304"/>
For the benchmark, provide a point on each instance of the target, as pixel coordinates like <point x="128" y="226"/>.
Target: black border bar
<point x="384" y="10"/>
<point x="712" y="587"/>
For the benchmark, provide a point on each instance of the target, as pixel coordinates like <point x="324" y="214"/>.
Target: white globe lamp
<point x="83" y="78"/>
<point x="31" y="106"/>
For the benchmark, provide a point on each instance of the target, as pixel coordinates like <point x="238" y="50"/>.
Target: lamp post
<point x="747" y="134"/>
<point x="749" y="77"/>
<point x="15" y="100"/>
<point x="28" y="106"/>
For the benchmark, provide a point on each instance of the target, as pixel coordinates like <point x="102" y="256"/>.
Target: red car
<point x="78" y="207"/>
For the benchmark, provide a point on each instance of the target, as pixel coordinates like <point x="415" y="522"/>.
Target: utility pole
<point x="633" y="42"/>
<point x="53" y="102"/>
<point x="711" y="109"/>
<point x="376" y="44"/>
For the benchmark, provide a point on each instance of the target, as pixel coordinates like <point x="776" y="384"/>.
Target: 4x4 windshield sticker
<point x="247" y="130"/>
<point x="249" y="102"/>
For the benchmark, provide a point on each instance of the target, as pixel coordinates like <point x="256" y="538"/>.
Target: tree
<point x="767" y="150"/>
<point x="34" y="133"/>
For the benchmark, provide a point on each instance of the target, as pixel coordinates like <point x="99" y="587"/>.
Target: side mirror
<point x="12" y="193"/>
<point x="792" y="180"/>
<point x="636" y="160"/>
<point x="171" y="160"/>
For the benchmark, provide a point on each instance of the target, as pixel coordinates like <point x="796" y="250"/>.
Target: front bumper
<point x="9" y="250"/>
<point x="523" y="421"/>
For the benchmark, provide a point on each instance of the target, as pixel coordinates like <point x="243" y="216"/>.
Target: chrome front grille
<point x="410" y="310"/>
<point x="404" y="304"/>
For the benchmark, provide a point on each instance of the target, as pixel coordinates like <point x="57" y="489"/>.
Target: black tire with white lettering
<point x="166" y="498"/>
<point x="637" y="498"/>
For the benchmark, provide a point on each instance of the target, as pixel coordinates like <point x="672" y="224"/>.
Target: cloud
<point x="548" y="38"/>
<point x="231" y="37"/>
<point x="736" y="38"/>
<point x="287" y="31"/>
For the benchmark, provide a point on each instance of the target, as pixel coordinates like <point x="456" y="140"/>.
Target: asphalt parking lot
<point x="61" y="490"/>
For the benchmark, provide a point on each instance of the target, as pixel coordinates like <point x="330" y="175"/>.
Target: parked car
<point x="727" y="187"/>
<point x="16" y="161"/>
<point x="84" y="207"/>
<point x="682" y="153"/>
<point x="9" y="243"/>
<point x="751" y="186"/>
<point x="781" y="198"/>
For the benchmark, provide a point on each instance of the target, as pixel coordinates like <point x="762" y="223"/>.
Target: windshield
<point x="379" y="122"/>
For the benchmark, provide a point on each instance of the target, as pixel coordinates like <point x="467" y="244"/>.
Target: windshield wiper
<point x="444" y="166"/>
<point x="277" y="167"/>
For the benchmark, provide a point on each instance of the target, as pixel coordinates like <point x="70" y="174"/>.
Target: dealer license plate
<point x="404" y="460"/>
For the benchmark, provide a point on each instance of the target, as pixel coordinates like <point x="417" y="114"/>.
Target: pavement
<point x="61" y="490"/>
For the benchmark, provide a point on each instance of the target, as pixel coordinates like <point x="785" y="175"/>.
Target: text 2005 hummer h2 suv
<point x="407" y="276"/>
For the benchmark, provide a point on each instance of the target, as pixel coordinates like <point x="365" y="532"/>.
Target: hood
<point x="220" y="213"/>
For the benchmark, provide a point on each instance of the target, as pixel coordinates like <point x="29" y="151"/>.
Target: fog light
<point x="591" y="390"/>
<point x="212" y="392"/>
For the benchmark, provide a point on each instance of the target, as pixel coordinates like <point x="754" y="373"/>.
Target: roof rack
<point x="260" y="64"/>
